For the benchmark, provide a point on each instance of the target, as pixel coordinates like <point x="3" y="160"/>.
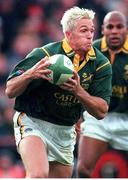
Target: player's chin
<point x="87" y="47"/>
<point x="114" y="46"/>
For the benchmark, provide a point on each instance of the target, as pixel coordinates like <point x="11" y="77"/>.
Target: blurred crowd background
<point x="24" y="25"/>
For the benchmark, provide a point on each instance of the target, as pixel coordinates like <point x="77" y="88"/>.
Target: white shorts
<point x="59" y="140"/>
<point x="112" y="129"/>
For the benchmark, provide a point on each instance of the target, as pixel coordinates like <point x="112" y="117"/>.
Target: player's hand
<point x="40" y="70"/>
<point x="72" y="84"/>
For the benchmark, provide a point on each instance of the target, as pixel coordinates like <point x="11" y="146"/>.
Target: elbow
<point x="8" y="93"/>
<point x="101" y="115"/>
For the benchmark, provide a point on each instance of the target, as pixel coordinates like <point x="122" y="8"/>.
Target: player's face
<point x="115" y="31"/>
<point x="81" y="37"/>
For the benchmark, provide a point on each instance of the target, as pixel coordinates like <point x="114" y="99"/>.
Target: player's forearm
<point x="96" y="106"/>
<point x="17" y="85"/>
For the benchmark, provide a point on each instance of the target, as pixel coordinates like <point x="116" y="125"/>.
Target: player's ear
<point x="67" y="33"/>
<point x="102" y="29"/>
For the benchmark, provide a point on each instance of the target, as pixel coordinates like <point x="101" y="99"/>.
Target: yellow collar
<point x="68" y="50"/>
<point x="104" y="46"/>
<point x="76" y="61"/>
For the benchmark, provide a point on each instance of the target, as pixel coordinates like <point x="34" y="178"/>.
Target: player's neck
<point x="82" y="55"/>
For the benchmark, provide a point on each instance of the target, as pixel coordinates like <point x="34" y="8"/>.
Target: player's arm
<point x="16" y="86"/>
<point x="96" y="106"/>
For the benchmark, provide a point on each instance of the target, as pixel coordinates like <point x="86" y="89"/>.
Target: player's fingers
<point x="71" y="82"/>
<point x="45" y="71"/>
<point x="76" y="76"/>
<point x="66" y="88"/>
<point x="47" y="78"/>
<point x="42" y="61"/>
<point x="44" y="65"/>
<point x="46" y="58"/>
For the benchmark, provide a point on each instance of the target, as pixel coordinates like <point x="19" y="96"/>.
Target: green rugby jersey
<point x="119" y="61"/>
<point x="49" y="102"/>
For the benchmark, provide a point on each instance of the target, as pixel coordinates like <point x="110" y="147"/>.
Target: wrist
<point x="28" y="75"/>
<point x="81" y="92"/>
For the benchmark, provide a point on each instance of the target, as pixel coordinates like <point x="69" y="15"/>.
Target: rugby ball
<point x="61" y="67"/>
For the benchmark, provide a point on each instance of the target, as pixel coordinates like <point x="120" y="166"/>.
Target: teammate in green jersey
<point x="113" y="130"/>
<point x="46" y="114"/>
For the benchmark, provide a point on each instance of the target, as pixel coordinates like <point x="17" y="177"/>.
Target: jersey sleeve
<point x="102" y="82"/>
<point x="28" y="62"/>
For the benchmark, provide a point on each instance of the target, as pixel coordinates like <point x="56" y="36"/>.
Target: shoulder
<point x="53" y="48"/>
<point x="99" y="55"/>
<point x="102" y="62"/>
<point x="36" y="52"/>
<point x="97" y="43"/>
<point x="52" y="44"/>
<point x="48" y="49"/>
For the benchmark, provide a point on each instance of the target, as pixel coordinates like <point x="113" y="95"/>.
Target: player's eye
<point x="87" y="30"/>
<point x="110" y="26"/>
<point x="120" y="26"/>
<point x="92" y="30"/>
<point x="84" y="30"/>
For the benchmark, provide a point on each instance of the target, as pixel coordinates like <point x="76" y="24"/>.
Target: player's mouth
<point x="114" y="40"/>
<point x="89" y="44"/>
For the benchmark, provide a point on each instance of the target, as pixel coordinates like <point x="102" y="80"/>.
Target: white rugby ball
<point x="62" y="68"/>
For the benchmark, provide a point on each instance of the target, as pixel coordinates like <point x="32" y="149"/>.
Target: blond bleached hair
<point x="70" y="16"/>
